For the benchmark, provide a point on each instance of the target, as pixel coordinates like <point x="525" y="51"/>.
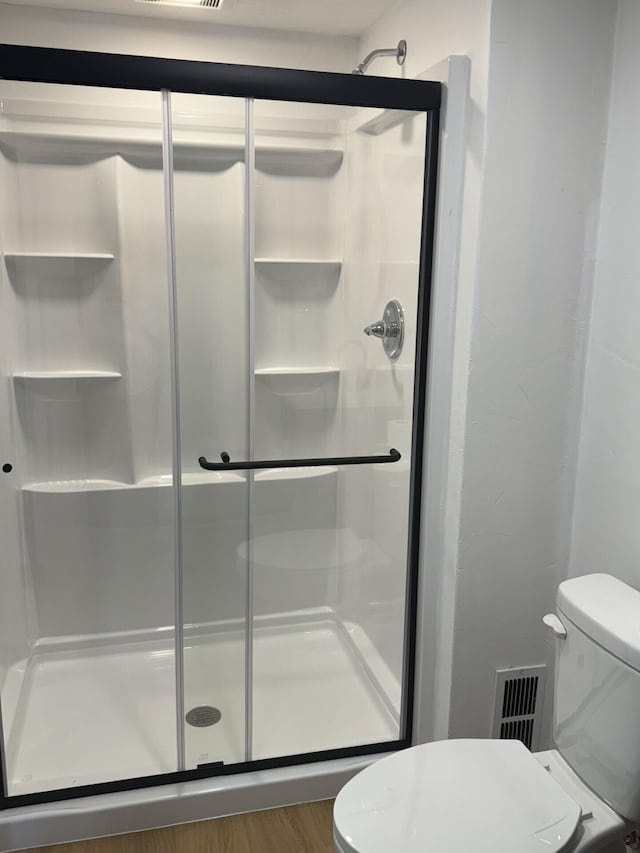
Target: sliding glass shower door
<point x="214" y="301"/>
<point x="298" y="234"/>
<point x="86" y="491"/>
<point x="209" y="215"/>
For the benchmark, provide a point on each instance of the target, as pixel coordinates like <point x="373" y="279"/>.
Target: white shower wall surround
<point x="87" y="604"/>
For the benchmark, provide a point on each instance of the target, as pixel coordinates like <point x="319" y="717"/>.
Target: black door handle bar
<point x="251" y="465"/>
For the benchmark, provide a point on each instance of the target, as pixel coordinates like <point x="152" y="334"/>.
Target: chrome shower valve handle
<point x="390" y="329"/>
<point x="378" y="330"/>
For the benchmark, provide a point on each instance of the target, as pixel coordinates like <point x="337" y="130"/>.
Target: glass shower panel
<point x="386" y="152"/>
<point x="338" y="200"/>
<point x="86" y="492"/>
<point x="211" y="231"/>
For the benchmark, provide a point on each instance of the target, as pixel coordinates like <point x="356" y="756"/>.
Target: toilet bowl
<point x="494" y="796"/>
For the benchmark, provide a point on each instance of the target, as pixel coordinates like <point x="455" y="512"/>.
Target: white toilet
<point x="494" y="796"/>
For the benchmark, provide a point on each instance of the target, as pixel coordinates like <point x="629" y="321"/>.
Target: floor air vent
<point x="517" y="704"/>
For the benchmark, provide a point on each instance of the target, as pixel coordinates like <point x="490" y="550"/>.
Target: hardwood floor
<point x="297" y="829"/>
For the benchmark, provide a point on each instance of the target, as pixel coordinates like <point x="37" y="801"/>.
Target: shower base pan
<point x="104" y="710"/>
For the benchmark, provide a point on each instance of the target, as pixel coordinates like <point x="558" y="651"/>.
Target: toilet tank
<point x="597" y="689"/>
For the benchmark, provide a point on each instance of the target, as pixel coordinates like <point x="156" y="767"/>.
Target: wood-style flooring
<point x="297" y="829"/>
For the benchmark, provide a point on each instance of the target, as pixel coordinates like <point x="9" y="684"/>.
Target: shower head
<point x="400" y="53"/>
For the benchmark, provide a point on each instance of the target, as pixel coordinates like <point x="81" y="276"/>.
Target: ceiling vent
<point x="517" y="704"/>
<point x="195" y="4"/>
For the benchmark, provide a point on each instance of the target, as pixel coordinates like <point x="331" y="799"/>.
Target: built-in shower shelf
<point x="87" y="257"/>
<point x="283" y="372"/>
<point x="268" y="157"/>
<point x="51" y="267"/>
<point x="303" y="156"/>
<point x="206" y="478"/>
<point x="296" y="380"/>
<point x="269" y="475"/>
<point x="273" y="475"/>
<point x="198" y="478"/>
<point x="281" y="159"/>
<point x="266" y="476"/>
<point x="66" y="375"/>
<point x="401" y="468"/>
<point x="83" y="144"/>
<point x="160" y="481"/>
<point x="292" y="263"/>
<point x="73" y="486"/>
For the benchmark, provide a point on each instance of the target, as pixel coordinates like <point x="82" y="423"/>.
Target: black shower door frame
<point x="71" y="67"/>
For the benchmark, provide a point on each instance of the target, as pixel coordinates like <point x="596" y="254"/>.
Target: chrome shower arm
<point x="366" y="62"/>
<point x="400" y="53"/>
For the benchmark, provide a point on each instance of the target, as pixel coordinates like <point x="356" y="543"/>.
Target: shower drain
<point x="203" y="715"/>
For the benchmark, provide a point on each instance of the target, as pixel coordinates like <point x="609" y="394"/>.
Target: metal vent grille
<point x="518" y="730"/>
<point x="517" y="706"/>
<point x="208" y="4"/>
<point x="520" y="696"/>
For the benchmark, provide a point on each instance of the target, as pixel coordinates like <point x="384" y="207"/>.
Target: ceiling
<point x="334" y="17"/>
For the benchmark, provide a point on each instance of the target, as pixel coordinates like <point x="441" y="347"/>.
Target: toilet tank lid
<point x="607" y="610"/>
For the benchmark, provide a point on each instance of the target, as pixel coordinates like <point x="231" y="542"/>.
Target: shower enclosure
<point x="210" y="492"/>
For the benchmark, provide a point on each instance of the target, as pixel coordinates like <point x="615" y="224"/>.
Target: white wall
<point x="175" y="39"/>
<point x="546" y="117"/>
<point x="606" y="533"/>
<point x="433" y="30"/>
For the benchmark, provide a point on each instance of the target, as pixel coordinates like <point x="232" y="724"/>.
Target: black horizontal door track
<point x="120" y="71"/>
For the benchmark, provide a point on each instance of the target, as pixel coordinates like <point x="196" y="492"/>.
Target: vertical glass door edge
<point x="297" y="209"/>
<point x="176" y="433"/>
<point x="213" y="323"/>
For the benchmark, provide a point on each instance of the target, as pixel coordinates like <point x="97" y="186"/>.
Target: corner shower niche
<point x="272" y="297"/>
<point x="298" y="280"/>
<point x="62" y="264"/>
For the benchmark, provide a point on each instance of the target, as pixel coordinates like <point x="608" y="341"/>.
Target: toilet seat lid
<point x="490" y="795"/>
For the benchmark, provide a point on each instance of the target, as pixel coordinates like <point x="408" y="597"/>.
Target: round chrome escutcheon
<point x="393" y="318"/>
